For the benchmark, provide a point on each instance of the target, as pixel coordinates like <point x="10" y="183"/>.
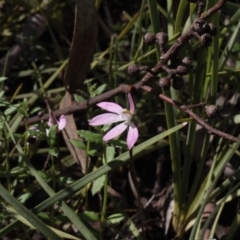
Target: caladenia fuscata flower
<point x="54" y="126"/>
<point x="53" y="121"/>
<point x="117" y="114"/>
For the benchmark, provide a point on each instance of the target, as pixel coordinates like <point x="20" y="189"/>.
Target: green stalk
<point x="180" y="16"/>
<point x="215" y="63"/>
<point x="170" y="117"/>
<point x="190" y="143"/>
<point x="105" y="196"/>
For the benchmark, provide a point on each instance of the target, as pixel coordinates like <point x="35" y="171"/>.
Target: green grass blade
<point x="229" y="46"/>
<point x="28" y="215"/>
<point x="119" y="161"/>
<point x="87" y="233"/>
<point x="199" y="201"/>
<point x="170" y="116"/>
<point x="27" y="223"/>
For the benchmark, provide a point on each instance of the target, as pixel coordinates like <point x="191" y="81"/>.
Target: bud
<point x="161" y="38"/>
<point x="177" y="83"/>
<point x="200" y="26"/>
<point x="133" y="70"/>
<point x="211" y="111"/>
<point x="206" y="40"/>
<point x="185" y="66"/>
<point x="164" y="83"/>
<point x="149" y="39"/>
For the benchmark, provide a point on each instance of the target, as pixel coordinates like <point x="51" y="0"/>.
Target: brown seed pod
<point x="185" y="66"/>
<point x="133" y="70"/>
<point x="177" y="83"/>
<point x="149" y="39"/>
<point x="206" y="40"/>
<point x="200" y="26"/>
<point x="212" y="30"/>
<point x="165" y="83"/>
<point x="161" y="38"/>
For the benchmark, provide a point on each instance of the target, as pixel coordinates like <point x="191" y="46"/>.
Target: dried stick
<point x="188" y="111"/>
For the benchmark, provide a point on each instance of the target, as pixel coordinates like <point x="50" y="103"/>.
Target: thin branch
<point x="124" y="88"/>
<point x="188" y="111"/>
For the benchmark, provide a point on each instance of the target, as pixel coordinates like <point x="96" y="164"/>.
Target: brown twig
<point x="80" y="106"/>
<point x="189" y="112"/>
<point x="213" y="9"/>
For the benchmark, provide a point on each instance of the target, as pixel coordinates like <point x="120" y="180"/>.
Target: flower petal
<point x="110" y="107"/>
<point x="116" y="131"/>
<point x="52" y="119"/>
<point x="62" y="122"/>
<point x="106" y="118"/>
<point x="131" y="103"/>
<point x="132" y="136"/>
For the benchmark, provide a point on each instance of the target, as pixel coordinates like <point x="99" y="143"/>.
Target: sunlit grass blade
<point x="29" y="224"/>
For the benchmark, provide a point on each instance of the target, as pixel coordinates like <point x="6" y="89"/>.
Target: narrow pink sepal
<point x="62" y="122"/>
<point x="106" y="118"/>
<point x="116" y="131"/>
<point x="132" y="135"/>
<point x="131" y="103"/>
<point x="110" y="107"/>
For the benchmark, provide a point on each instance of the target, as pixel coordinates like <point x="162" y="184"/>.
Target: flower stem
<point x="105" y="195"/>
<point x="140" y="208"/>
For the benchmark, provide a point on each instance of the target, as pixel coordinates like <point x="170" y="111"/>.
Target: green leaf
<point x="77" y="143"/>
<point x="116" y="218"/>
<point x="110" y="153"/>
<point x="53" y="152"/>
<point x="66" y="180"/>
<point x="24" y="197"/>
<point x="78" y="98"/>
<point x="98" y="184"/>
<point x="21" y="111"/>
<point x="100" y="89"/>
<point x="90" y="136"/>
<point x="93" y="153"/>
<point x="52" y="136"/>
<point x="34" y="110"/>
<point x="11" y="110"/>
<point x="2" y="94"/>
<point x="89" y="216"/>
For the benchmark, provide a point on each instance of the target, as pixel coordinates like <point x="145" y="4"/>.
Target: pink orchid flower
<point x="53" y="121"/>
<point x="118" y="114"/>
